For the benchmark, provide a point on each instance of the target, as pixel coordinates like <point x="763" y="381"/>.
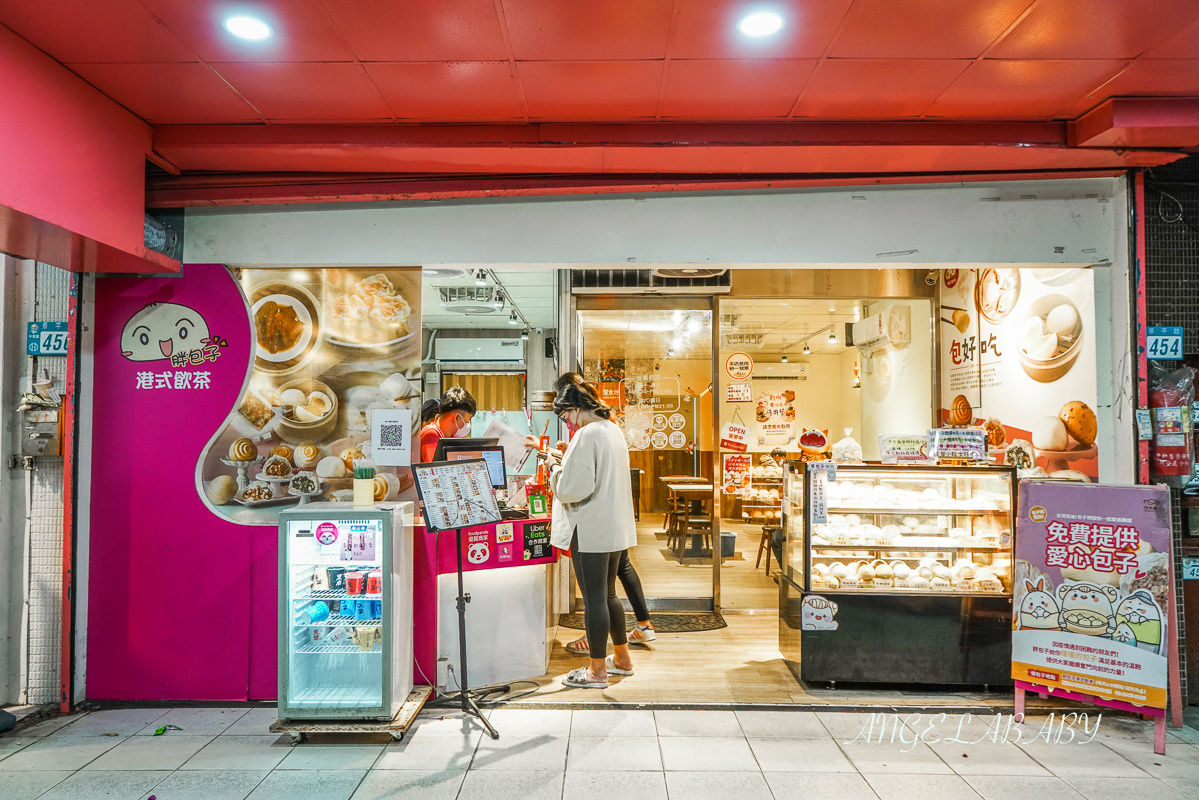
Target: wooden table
<point x="690" y="493"/>
<point x="670" y="503"/>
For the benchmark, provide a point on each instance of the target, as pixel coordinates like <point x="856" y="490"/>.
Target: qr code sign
<point x="391" y="435"/>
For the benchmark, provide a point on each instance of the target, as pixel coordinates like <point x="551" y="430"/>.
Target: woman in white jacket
<point x="593" y="516"/>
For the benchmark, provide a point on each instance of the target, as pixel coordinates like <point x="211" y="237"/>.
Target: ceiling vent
<point x="444" y="274"/>
<point x="470" y="300"/>
<point x="645" y="281"/>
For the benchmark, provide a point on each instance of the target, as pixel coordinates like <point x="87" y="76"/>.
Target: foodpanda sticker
<point x="818" y="614"/>
<point x="478" y="552"/>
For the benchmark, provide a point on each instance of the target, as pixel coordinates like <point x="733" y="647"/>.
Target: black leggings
<point x="603" y="615"/>
<point x="632" y="586"/>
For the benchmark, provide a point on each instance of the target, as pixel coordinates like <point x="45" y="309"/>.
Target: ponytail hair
<point x="581" y="396"/>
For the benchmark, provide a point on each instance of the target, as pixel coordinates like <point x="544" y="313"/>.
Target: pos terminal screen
<point x="493" y="456"/>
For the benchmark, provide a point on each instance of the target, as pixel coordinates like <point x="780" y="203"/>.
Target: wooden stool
<point x="764" y="544"/>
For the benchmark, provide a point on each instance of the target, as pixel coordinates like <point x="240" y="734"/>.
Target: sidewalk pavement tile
<point x="589" y="785"/>
<point x="28" y="785"/>
<point x="410" y="785"/>
<point x="240" y="753"/>
<point x="995" y="787"/>
<point x="255" y="722"/>
<point x="521" y="753"/>
<point x="826" y="786"/>
<point x="913" y="757"/>
<point x="630" y="753"/>
<point x="926" y="787"/>
<point x="104" y="784"/>
<point x="429" y="752"/>
<point x="197" y="721"/>
<point x="150" y="752"/>
<point x="1123" y="788"/>
<point x="530" y="722"/>
<point x="335" y="784"/>
<point x="506" y="785"/>
<point x="988" y="759"/>
<point x="800" y="755"/>
<point x="1091" y="760"/>
<point x="52" y="753"/>
<point x="706" y="785"/>
<point x="782" y="725"/>
<point x="205" y="785"/>
<point x="332" y="755"/>
<point x="707" y="754"/>
<point x="697" y="723"/>
<point x="605" y="722"/>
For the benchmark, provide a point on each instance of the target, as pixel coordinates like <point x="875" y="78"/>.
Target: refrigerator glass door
<point x="335" y="606"/>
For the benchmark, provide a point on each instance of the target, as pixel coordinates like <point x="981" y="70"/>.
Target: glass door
<point x="654" y="365"/>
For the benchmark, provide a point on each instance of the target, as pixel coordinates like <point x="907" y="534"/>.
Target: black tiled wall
<point x="1172" y="291"/>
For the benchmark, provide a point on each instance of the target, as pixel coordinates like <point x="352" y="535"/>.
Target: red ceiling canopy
<point x="352" y="86"/>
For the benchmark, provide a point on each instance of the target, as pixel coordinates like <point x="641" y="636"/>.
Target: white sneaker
<point x="640" y="635"/>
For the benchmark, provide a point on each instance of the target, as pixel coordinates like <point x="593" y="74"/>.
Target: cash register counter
<point x="509" y="628"/>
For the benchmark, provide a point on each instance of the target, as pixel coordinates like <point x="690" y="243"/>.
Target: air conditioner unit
<point x="511" y="351"/>
<point x="887" y="329"/>
<point x="470" y="300"/>
<point x="688" y="272"/>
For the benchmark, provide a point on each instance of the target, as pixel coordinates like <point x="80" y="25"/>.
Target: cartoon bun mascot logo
<point x="161" y="330"/>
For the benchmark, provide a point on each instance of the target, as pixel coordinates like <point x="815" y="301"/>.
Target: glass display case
<point x="897" y="573"/>
<point x="345" y="612"/>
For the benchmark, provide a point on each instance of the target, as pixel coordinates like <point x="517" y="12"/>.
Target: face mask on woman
<point x="571" y="427"/>
<point x="463" y="429"/>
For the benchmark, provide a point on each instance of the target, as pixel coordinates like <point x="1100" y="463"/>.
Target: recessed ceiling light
<point x="248" y="28"/>
<point x="762" y="23"/>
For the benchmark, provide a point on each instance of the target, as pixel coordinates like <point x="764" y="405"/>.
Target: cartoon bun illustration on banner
<point x="818" y="614"/>
<point x="161" y="330"/>
<point x="1038" y="609"/>
<point x="1087" y="608"/>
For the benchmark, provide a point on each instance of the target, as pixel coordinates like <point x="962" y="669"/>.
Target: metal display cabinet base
<point x="397" y="726"/>
<point x="895" y="639"/>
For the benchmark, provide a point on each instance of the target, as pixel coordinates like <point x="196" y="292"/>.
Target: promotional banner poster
<point x="774" y="413"/>
<point x="332" y="346"/>
<point x="1091" y="595"/>
<point x="737" y="472"/>
<point x="1018" y="357"/>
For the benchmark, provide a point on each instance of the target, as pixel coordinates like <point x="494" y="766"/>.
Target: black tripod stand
<point x="468" y="698"/>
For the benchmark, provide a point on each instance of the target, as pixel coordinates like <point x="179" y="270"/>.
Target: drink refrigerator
<point x="345" y="626"/>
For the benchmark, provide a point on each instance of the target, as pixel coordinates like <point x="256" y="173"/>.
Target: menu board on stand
<point x="1093" y="603"/>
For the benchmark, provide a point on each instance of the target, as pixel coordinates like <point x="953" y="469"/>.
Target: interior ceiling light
<point x="784" y="359"/>
<point x="832" y="337"/>
<point x="480" y="278"/>
<point x="512" y="320"/>
<point x="248" y="28"/>
<point x="761" y="23"/>
<point x="670" y="353"/>
<point x="524" y="335"/>
<point x="807" y="351"/>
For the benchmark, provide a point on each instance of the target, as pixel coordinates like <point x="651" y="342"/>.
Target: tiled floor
<point x="228" y="754"/>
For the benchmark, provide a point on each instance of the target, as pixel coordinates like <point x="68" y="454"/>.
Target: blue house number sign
<point x="46" y="339"/>
<point x="1163" y="343"/>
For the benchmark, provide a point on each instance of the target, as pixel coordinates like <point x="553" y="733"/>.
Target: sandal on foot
<point x="640" y="635"/>
<point x="579" y="647"/>
<point x="610" y="665"/>
<point x="579" y="679"/>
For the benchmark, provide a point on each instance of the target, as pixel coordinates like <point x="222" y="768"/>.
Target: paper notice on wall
<point x="818" y="496"/>
<point x="738" y="392"/>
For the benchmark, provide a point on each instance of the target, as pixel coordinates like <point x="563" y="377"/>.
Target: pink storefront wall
<point x="181" y="604"/>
